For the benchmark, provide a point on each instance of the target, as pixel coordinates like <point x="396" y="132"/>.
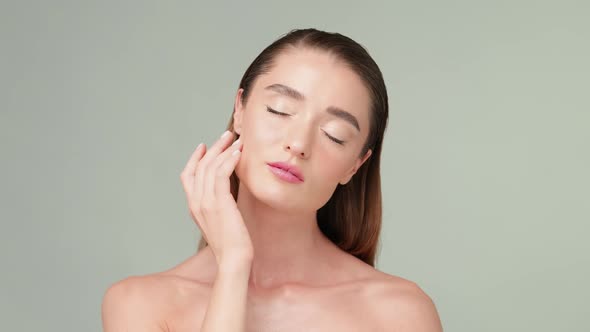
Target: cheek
<point x="331" y="166"/>
<point x="262" y="130"/>
<point x="327" y="175"/>
<point x="256" y="137"/>
<point x="328" y="170"/>
<point x="253" y="158"/>
<point x="268" y="132"/>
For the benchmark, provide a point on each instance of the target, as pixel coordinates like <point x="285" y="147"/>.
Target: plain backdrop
<point x="484" y="165"/>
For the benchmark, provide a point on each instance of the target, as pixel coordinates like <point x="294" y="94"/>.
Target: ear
<point x="357" y="165"/>
<point x="238" y="112"/>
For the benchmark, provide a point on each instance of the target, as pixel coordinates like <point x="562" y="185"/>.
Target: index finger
<point x="221" y="144"/>
<point x="191" y="165"/>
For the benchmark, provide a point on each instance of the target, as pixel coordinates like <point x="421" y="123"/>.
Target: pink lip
<point x="286" y="171"/>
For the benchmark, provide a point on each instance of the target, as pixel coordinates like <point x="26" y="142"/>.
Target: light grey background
<point x="485" y="161"/>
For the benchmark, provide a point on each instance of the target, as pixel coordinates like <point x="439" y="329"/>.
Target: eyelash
<point x="337" y="141"/>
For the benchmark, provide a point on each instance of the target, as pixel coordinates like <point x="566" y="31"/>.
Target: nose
<point x="298" y="143"/>
<point x="297" y="149"/>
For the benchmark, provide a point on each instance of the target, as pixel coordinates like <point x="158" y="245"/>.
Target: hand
<point x="205" y="180"/>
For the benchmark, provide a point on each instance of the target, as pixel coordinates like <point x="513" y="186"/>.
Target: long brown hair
<point x="352" y="217"/>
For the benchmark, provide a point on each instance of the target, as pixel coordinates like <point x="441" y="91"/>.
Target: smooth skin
<point x="268" y="267"/>
<point x="206" y="184"/>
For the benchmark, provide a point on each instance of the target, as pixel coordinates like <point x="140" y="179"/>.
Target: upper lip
<point x="293" y="169"/>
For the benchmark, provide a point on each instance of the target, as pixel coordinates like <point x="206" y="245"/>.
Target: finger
<point x="225" y="170"/>
<point x="194" y="158"/>
<point x="205" y="163"/>
<point x="219" y="146"/>
<point x="198" y="183"/>
<point x="207" y="198"/>
<point x="212" y="172"/>
<point x="188" y="172"/>
<point x="211" y="154"/>
<point x="201" y="171"/>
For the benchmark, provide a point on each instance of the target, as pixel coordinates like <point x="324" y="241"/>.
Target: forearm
<point x="227" y="305"/>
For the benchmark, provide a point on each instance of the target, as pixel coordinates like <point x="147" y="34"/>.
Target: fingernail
<point x="225" y="134"/>
<point x="236" y="142"/>
<point x="199" y="146"/>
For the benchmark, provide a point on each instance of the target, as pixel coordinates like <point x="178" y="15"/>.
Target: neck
<point x="287" y="244"/>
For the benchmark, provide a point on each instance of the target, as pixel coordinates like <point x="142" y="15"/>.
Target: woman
<point x="290" y="212"/>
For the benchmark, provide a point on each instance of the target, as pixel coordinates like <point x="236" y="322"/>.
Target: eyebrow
<point x="294" y="94"/>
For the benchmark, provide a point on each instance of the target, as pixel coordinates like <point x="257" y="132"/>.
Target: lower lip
<point x="284" y="175"/>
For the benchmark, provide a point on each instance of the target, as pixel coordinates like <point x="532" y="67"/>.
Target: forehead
<point x="323" y="80"/>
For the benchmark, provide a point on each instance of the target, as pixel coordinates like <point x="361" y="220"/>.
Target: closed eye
<point x="275" y="112"/>
<point x="334" y="139"/>
<point x="270" y="110"/>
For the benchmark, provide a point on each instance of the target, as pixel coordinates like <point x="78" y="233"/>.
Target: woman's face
<point x="324" y="146"/>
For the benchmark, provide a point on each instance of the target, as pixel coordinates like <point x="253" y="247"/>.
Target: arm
<point x="213" y="207"/>
<point x="227" y="306"/>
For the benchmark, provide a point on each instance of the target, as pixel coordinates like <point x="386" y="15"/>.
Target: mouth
<point x="287" y="171"/>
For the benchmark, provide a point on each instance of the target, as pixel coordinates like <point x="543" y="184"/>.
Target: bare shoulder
<point x="160" y="301"/>
<point x="389" y="302"/>
<point x="132" y="304"/>
<point x="152" y="302"/>
<point x="401" y="305"/>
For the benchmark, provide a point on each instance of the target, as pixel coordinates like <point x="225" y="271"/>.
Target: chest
<point x="305" y="314"/>
<point x="317" y="313"/>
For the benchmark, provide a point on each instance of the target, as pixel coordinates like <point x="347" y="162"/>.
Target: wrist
<point x="235" y="264"/>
